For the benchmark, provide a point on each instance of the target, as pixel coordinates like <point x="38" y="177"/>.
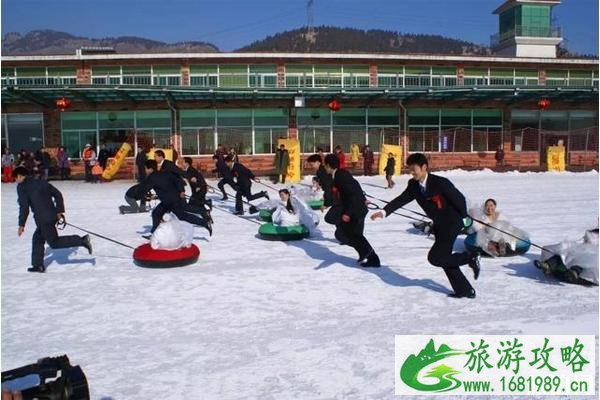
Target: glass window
<point x="25" y="131"/>
<point x="350" y="116"/>
<point x="271" y="117"/>
<point x="423" y="116"/>
<point x="197" y="141"/>
<point x="115" y="120"/>
<point x="383" y="116"/>
<point x="314" y="117"/>
<point x="153" y="119"/>
<point x="233" y="76"/>
<point x="583" y="119"/>
<point x="555" y="120"/>
<point x="197" y="118"/>
<point x="114" y="138"/>
<point x="74" y="141"/>
<point x="313" y="138"/>
<point x="265" y="139"/>
<point x="344" y="136"/>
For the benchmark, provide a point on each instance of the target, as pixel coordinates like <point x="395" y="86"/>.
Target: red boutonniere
<point x="438" y="201"/>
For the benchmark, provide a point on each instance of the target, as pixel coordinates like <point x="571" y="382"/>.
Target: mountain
<point x="55" y="42"/>
<point x="350" y="40"/>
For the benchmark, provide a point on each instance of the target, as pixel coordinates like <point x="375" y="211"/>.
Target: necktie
<point x="422" y="190"/>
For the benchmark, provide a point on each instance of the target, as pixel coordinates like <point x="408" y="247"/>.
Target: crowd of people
<point x="41" y="164"/>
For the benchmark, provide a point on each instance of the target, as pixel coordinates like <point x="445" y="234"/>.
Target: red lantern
<point x="334" y="105"/>
<point x="543" y="104"/>
<point x="63" y="103"/>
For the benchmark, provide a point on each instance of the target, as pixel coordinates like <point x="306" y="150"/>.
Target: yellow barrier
<point x="555" y="157"/>
<point x="383" y="157"/>
<point x="168" y="154"/>
<point x="114" y="163"/>
<point x="293" y="148"/>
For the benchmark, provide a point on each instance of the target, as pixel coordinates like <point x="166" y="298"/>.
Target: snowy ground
<point x="272" y="320"/>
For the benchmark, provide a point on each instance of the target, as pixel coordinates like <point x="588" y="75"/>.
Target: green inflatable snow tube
<point x="521" y="248"/>
<point x="282" y="233"/>
<point x="315" y="204"/>
<point x="265" y="215"/>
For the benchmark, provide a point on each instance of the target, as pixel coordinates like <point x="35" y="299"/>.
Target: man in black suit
<point x="447" y="208"/>
<point x="325" y="181"/>
<point x="223" y="171"/>
<point x="132" y="196"/>
<point x="199" y="188"/>
<point x="140" y="159"/>
<point x="170" y="189"/>
<point x="348" y="212"/>
<point x="244" y="178"/>
<point x="48" y="207"/>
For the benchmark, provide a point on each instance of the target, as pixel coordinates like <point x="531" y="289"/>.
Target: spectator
<point x="499" y="156"/>
<point x="89" y="160"/>
<point x="321" y="154"/>
<point x="8" y="161"/>
<point x="354" y="154"/>
<point x="389" y="170"/>
<point x="46" y="161"/>
<point x="62" y="162"/>
<point x="368" y="160"/>
<point x="341" y="157"/>
<point x="282" y="160"/>
<point x="140" y="159"/>
<point x="103" y="155"/>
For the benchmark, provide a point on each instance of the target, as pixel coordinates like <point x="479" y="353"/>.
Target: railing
<point x="527" y="31"/>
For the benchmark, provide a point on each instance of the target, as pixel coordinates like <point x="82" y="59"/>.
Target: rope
<point x="100" y="236"/>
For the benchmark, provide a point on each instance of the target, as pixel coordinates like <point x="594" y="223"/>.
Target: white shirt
<point x="424" y="183"/>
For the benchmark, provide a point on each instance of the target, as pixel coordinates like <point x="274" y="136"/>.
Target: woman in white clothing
<point x="491" y="240"/>
<point x="290" y="212"/>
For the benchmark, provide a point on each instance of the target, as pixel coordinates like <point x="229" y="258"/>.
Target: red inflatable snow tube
<point x="146" y="256"/>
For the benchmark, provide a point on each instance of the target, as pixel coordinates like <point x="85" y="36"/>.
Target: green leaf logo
<point x="413" y="365"/>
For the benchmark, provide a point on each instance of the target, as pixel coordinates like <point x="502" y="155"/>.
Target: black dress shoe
<point x="372" y="261"/>
<point x="41" y="269"/>
<point x="238" y="213"/>
<point x="469" y="295"/>
<point x="253" y="210"/>
<point x="87" y="243"/>
<point x="475" y="264"/>
<point x="265" y="195"/>
<point x="209" y="228"/>
<point x="224" y="198"/>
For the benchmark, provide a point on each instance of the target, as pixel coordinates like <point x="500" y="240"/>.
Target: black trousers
<point x="182" y="210"/>
<point x="352" y="234"/>
<point x="245" y="192"/>
<point x="226" y="181"/>
<point x="441" y="255"/>
<point x="282" y="176"/>
<point x="198" y="199"/>
<point x="141" y="173"/>
<point x="88" y="172"/>
<point x="47" y="233"/>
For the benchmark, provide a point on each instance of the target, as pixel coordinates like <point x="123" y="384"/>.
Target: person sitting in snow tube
<point x="572" y="262"/>
<point x="491" y="241"/>
<point x="291" y="220"/>
<point x="170" y="245"/>
<point x="312" y="196"/>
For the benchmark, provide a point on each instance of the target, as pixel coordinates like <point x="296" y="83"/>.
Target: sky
<point x="231" y="24"/>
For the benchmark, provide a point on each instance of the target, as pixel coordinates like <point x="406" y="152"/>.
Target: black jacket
<point x="326" y="182"/>
<point x="103" y="155"/>
<point x="167" y="185"/>
<point x="192" y="172"/>
<point x="243" y="175"/>
<point x="44" y="200"/>
<point x="135" y="192"/>
<point x="140" y="159"/>
<point x="390" y="166"/>
<point x="442" y="202"/>
<point x="349" y="195"/>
